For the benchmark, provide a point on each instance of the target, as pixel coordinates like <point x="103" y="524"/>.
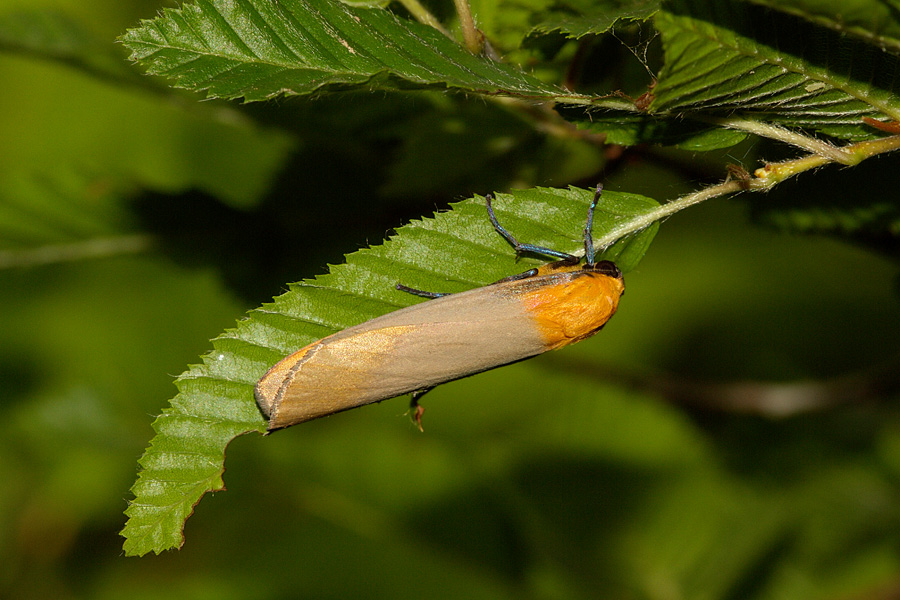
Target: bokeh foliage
<point x="137" y="223"/>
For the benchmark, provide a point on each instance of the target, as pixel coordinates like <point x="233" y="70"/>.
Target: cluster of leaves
<point x="720" y="61"/>
<point x="455" y="122"/>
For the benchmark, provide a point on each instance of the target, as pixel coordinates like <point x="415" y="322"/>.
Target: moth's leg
<point x="421" y="293"/>
<point x="521" y="248"/>
<point x="417" y="409"/>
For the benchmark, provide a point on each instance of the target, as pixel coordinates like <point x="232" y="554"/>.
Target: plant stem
<point x="834" y="153"/>
<point x="774" y="173"/>
<point x="88" y="249"/>
<point x="764" y="179"/>
<point x="467" y="24"/>
<point x="423" y="15"/>
<point x="669" y="208"/>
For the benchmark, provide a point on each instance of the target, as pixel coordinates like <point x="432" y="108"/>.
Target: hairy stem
<point x="670" y="208"/>
<point x="767" y="130"/>
<point x="467" y="24"/>
<point x="763" y="179"/>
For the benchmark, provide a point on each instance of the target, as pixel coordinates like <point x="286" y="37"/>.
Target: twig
<point x="774" y="173"/>
<point x="764" y="178"/>
<point x="59" y="253"/>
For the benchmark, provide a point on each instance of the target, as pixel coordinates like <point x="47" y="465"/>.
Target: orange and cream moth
<point x="416" y="348"/>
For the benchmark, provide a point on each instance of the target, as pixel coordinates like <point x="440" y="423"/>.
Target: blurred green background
<point x="136" y="223"/>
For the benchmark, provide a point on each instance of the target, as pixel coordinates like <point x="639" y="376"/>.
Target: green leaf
<point x="367" y="3"/>
<point x="135" y="140"/>
<point x="259" y="49"/>
<point x="54" y="35"/>
<point x="636" y="128"/>
<point x="451" y="252"/>
<point x="579" y="18"/>
<point x="874" y="22"/>
<point x="728" y="57"/>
